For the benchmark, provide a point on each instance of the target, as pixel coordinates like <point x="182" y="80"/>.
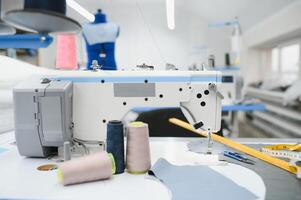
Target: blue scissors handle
<point x="239" y="157"/>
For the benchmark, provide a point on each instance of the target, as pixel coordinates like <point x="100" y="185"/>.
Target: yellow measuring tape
<point x="243" y="148"/>
<point x="290" y="147"/>
<point x="291" y="151"/>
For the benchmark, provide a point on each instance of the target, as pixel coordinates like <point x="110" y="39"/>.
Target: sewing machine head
<point x="52" y="109"/>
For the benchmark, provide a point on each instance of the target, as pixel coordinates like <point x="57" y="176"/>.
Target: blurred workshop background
<point x="255" y="44"/>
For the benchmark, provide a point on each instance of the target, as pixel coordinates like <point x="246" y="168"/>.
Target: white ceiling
<point x="145" y="38"/>
<point x="249" y="12"/>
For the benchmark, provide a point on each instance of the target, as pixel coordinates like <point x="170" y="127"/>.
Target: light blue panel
<point x="245" y="108"/>
<point x="227" y="68"/>
<point x="147" y="109"/>
<point x="2" y="150"/>
<point x="223" y="24"/>
<point x="238" y="107"/>
<point x="140" y="79"/>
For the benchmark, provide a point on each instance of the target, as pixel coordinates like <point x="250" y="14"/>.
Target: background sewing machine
<point x="232" y="84"/>
<point x="50" y="110"/>
<point x="232" y="92"/>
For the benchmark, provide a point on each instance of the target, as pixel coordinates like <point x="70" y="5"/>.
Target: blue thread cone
<point x="115" y="144"/>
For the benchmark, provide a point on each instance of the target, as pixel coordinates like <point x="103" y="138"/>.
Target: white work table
<point x="20" y="179"/>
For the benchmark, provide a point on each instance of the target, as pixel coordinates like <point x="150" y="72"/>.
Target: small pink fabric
<point x="97" y="166"/>
<point x="66" y="52"/>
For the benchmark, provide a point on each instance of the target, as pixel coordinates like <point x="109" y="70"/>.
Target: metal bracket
<point x="213" y="87"/>
<point x="145" y="67"/>
<point x="37" y="111"/>
<point x="95" y="65"/>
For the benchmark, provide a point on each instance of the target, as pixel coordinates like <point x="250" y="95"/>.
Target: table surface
<point x="21" y="180"/>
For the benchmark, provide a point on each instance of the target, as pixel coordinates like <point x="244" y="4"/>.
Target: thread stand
<point x="67" y="151"/>
<point x="88" y="146"/>
<point x="77" y="148"/>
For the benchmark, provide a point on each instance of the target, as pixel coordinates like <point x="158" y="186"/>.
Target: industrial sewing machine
<point x="53" y="109"/>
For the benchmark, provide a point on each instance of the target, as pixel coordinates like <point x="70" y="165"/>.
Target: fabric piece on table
<point x="197" y="182"/>
<point x="279" y="183"/>
<point x="2" y="150"/>
<point x="293" y="93"/>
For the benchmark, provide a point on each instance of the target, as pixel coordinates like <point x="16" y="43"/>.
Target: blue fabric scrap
<point x="198" y="182"/>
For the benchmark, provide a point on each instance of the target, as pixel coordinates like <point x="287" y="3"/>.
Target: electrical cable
<point x="150" y="32"/>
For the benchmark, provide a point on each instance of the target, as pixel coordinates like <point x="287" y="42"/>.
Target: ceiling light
<point x="170" y="14"/>
<point x="81" y="10"/>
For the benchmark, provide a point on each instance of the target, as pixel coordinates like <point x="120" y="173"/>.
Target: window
<point x="285" y="59"/>
<point x="290" y="58"/>
<point x="275" y="60"/>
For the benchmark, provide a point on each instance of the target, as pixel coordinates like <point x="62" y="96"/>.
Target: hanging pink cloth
<point x="66" y="52"/>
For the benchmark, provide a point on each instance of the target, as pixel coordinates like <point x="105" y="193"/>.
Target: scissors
<point x="239" y="157"/>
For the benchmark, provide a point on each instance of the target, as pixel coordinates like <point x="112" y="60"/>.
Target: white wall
<point x="283" y="26"/>
<point x="145" y="38"/>
<point x="144" y="35"/>
<point x="46" y="56"/>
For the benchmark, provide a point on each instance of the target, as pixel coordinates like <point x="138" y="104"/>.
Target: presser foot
<point x="209" y="144"/>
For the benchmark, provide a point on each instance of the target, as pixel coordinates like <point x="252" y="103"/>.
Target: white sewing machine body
<point x="95" y="98"/>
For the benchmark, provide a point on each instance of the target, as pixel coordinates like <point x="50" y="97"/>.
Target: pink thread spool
<point x="66" y="57"/>
<point x="97" y="166"/>
<point x="138" y="160"/>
